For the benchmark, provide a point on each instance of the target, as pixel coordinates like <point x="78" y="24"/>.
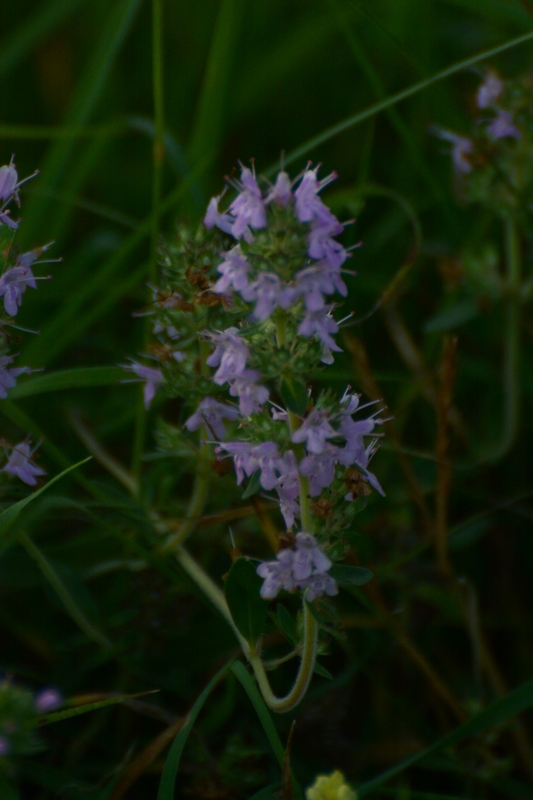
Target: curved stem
<point x="196" y="503"/>
<point x="305" y="672"/>
<point x="309" y="645"/>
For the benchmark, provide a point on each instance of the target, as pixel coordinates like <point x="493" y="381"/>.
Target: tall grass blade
<point x="355" y="119"/>
<point x="88" y="92"/>
<point x="496" y="714"/>
<point x="170" y="770"/>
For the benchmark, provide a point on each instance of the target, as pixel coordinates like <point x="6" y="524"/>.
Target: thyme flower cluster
<point x="17" y="275"/>
<point x="259" y="281"/>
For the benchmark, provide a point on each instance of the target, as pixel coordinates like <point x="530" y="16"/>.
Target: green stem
<point x="196" y="503"/>
<point x="305" y="672"/>
<point x="159" y="143"/>
<point x="511" y="355"/>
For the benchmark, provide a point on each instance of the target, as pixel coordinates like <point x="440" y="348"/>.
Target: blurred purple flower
<point x="13" y="284"/>
<point x="323" y="246"/>
<point x="489" y="91"/>
<point x="308" y="204"/>
<point x="280" y="194"/>
<point x="19" y="464"/>
<point x="320" y="469"/>
<point x="153" y="378"/>
<point x="502" y="127"/>
<point x="4" y="746"/>
<point x="248" y="207"/>
<point x="251" y="394"/>
<point x="211" y="413"/>
<point x="229" y="356"/>
<point x="234" y="270"/>
<point x="213" y="217"/>
<point x="48" y="700"/>
<point x="267" y="291"/>
<point x="314" y="431"/>
<point x="8" y="377"/>
<point x="322" y="324"/>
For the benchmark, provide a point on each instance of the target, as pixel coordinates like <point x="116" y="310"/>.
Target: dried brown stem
<point x="447" y="379"/>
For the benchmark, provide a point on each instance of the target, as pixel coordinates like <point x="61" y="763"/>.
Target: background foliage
<point x="88" y="604"/>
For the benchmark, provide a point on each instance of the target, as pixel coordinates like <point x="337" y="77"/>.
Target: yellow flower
<point x="330" y="787"/>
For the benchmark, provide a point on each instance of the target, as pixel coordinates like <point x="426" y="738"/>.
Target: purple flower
<point x="47" y="700"/>
<point x="280" y="194"/>
<point x="153" y="377"/>
<point x="211" y="413"/>
<point x="288" y="487"/>
<point x="229" y="356"/>
<point x="251" y="395"/>
<point x="353" y="432"/>
<point x="489" y="91"/>
<point x="303" y="566"/>
<point x="8" y="377"/>
<point x="19" y="464"/>
<point x="234" y="270"/>
<point x="308" y="204"/>
<point x="13" y="284"/>
<point x="248" y="458"/>
<point x="322" y="324"/>
<point x="8" y="182"/>
<point x="248" y="207"/>
<point x="277" y="575"/>
<point x="462" y="148"/>
<point x="308" y="555"/>
<point x="318" y="584"/>
<point x="266" y="290"/>
<point x="320" y="469"/>
<point x="6" y="220"/>
<point x="502" y="126"/>
<point x="213" y="217"/>
<point x="314" y="431"/>
<point x="322" y="245"/>
<point x="314" y="282"/>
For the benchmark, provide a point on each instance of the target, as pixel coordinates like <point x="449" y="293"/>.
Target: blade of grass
<point x="496" y="714"/>
<point x="10" y="514"/>
<point x="58" y="716"/>
<point x="68" y="379"/>
<point x="17" y="44"/>
<point x="170" y="770"/>
<point x="52" y="341"/>
<point x="355" y="119"/>
<point x="397" y="122"/>
<point x="209" y="122"/>
<point x="61" y="132"/>
<point x="90" y="86"/>
<point x="58" y="585"/>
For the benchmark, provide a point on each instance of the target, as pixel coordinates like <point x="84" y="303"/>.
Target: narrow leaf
<point x="9" y="515"/>
<point x="350" y="576"/>
<point x="170" y="770"/>
<point x="320" y="670"/>
<point x="286" y="624"/>
<point x="247" y="607"/>
<point x="68" y="379"/>
<point x="58" y="716"/>
<point x="497" y="713"/>
<point x="254" y="486"/>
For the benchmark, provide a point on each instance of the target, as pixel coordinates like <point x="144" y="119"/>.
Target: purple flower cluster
<point x="280" y="472"/>
<point x="230" y="356"/>
<point x="19" y="463"/>
<point x="14" y="281"/>
<point x="266" y="289"/>
<point x="304" y="566"/>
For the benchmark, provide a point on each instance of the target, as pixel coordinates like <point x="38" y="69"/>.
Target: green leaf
<point x="452" y="317"/>
<point x="170" y="770"/>
<point x="253" y="487"/>
<point x="68" y="379"/>
<point x="294" y="394"/>
<point x="248" y="684"/>
<point x="320" y="670"/>
<point x="350" y="576"/>
<point x="247" y="607"/>
<point x="286" y="623"/>
<point x="496" y="714"/>
<point x="58" y="716"/>
<point x="9" y="515"/>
